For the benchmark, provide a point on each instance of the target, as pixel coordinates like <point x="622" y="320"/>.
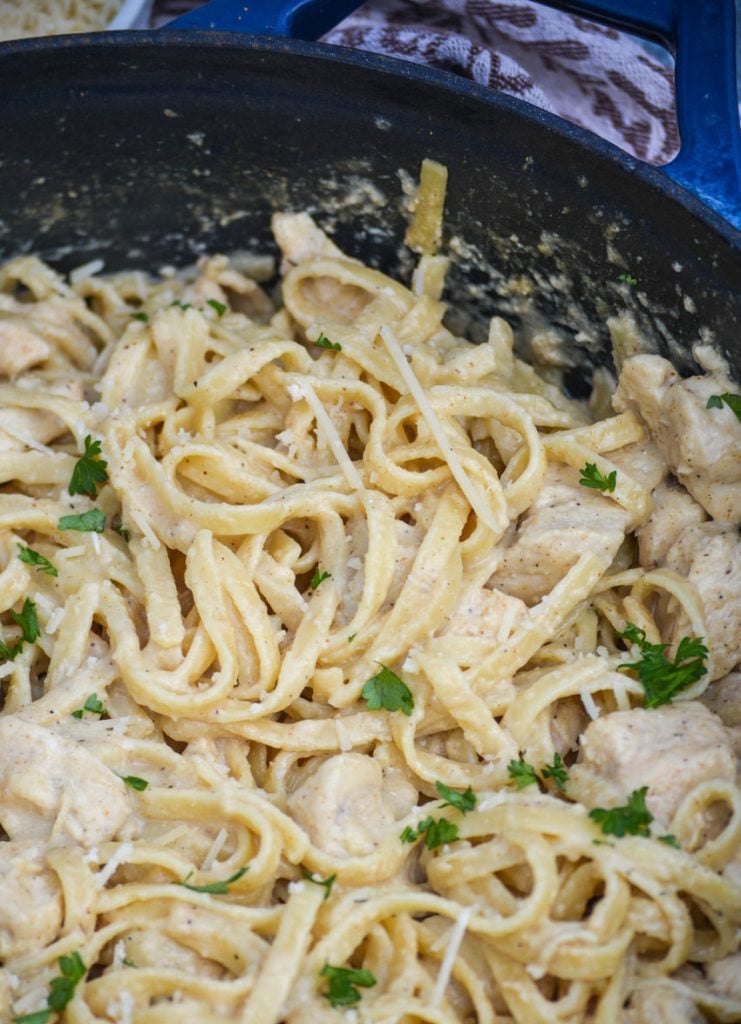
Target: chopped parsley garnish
<point x="31" y="557"/>
<point x="141" y="315"/>
<point x="182" y="305"/>
<point x="121" y="530"/>
<point x="591" y="477"/>
<point x="326" y="883"/>
<point x="10" y="653"/>
<point x="670" y="841"/>
<point x="436" y="832"/>
<point x="732" y="401"/>
<point x="28" y="621"/>
<point x="661" y="678"/>
<point x="343" y="984"/>
<point x="319" y="577"/>
<point x="556" y="771"/>
<point x="627" y="278"/>
<point x="323" y="342"/>
<point x="135" y="782"/>
<point x="94" y="705"/>
<point x="128" y="963"/>
<point x="386" y="690"/>
<point x="462" y="801"/>
<point x="218" y="306"/>
<point x="90" y="470"/>
<point x="61" y="990"/>
<point x="92" y="521"/>
<point x="214" y="888"/>
<point x="633" y="819"/>
<point x="351" y="638"/>
<point x="522" y="772"/>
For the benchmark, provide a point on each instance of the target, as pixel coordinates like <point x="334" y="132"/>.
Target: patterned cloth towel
<point x="597" y="77"/>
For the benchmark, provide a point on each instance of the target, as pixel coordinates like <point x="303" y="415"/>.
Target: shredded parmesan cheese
<point x="589" y="705"/>
<point x="455" y="938"/>
<point x="331" y="436"/>
<point x="119" y="857"/>
<point x="216" y="847"/>
<point x="472" y="493"/>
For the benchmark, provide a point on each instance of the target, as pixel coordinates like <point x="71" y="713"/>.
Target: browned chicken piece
<point x="52" y="790"/>
<point x="701" y="445"/>
<point x="662" y="1004"/>
<point x="484" y="612"/>
<point x="566" y="520"/>
<point x="30" y="900"/>
<point x="670" y="749"/>
<point x="674" y="510"/>
<point x="709" y="555"/>
<point x="346" y="802"/>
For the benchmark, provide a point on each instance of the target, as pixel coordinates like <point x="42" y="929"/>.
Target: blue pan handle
<point x="700" y="34"/>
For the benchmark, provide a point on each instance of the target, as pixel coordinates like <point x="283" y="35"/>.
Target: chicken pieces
<point x="701" y="445"/>
<point x="52" y="790"/>
<point x="670" y="749"/>
<point x="346" y="803"/>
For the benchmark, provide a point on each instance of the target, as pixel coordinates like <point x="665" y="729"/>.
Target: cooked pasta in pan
<point x="351" y="671"/>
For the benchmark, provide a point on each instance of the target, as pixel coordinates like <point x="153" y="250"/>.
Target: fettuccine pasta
<point x="317" y="699"/>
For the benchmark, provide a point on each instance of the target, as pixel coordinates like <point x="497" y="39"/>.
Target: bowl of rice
<point x="20" y="19"/>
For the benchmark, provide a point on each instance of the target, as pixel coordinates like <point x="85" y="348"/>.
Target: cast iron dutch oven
<point x="150" y="148"/>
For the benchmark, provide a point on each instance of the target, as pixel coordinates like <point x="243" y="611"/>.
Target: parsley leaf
<point x="670" y="841"/>
<point x="732" y="401"/>
<point x="522" y="772"/>
<point x="31" y="557"/>
<point x="10" y="653"/>
<point x="627" y="278"/>
<point x="557" y="771"/>
<point x="39" y="1017"/>
<point x="218" y="306"/>
<point x="319" y="577"/>
<point x="386" y="690"/>
<point x="463" y="801"/>
<point x="632" y="819"/>
<point x="591" y="477"/>
<point x="342" y="989"/>
<point x="122" y="531"/>
<point x="436" y="832"/>
<point x="182" y="305"/>
<point x="62" y="989"/>
<point x="323" y="342"/>
<point x="326" y="883"/>
<point x="92" y="521"/>
<point x="215" y="888"/>
<point x="28" y="621"/>
<point x="141" y="315"/>
<point x="90" y="470"/>
<point x="94" y="706"/>
<point x="661" y="678"/>
<point x="135" y="782"/>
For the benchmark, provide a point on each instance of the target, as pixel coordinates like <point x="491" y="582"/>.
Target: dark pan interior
<point x="153" y="148"/>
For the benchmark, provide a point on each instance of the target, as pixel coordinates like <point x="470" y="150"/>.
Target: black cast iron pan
<point x="151" y="148"/>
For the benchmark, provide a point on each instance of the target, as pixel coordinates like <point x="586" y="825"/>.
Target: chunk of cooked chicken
<point x="482" y="611"/>
<point x="670" y="749"/>
<point x="674" y="510"/>
<point x="53" y="790"/>
<point x="662" y="1004"/>
<point x="724" y="976"/>
<point x="564" y="521"/>
<point x="701" y="445"/>
<point x="20" y="346"/>
<point x="346" y="802"/>
<point x="709" y="555"/>
<point x="30" y="900"/>
<point x="724" y="698"/>
<point x="300" y="239"/>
